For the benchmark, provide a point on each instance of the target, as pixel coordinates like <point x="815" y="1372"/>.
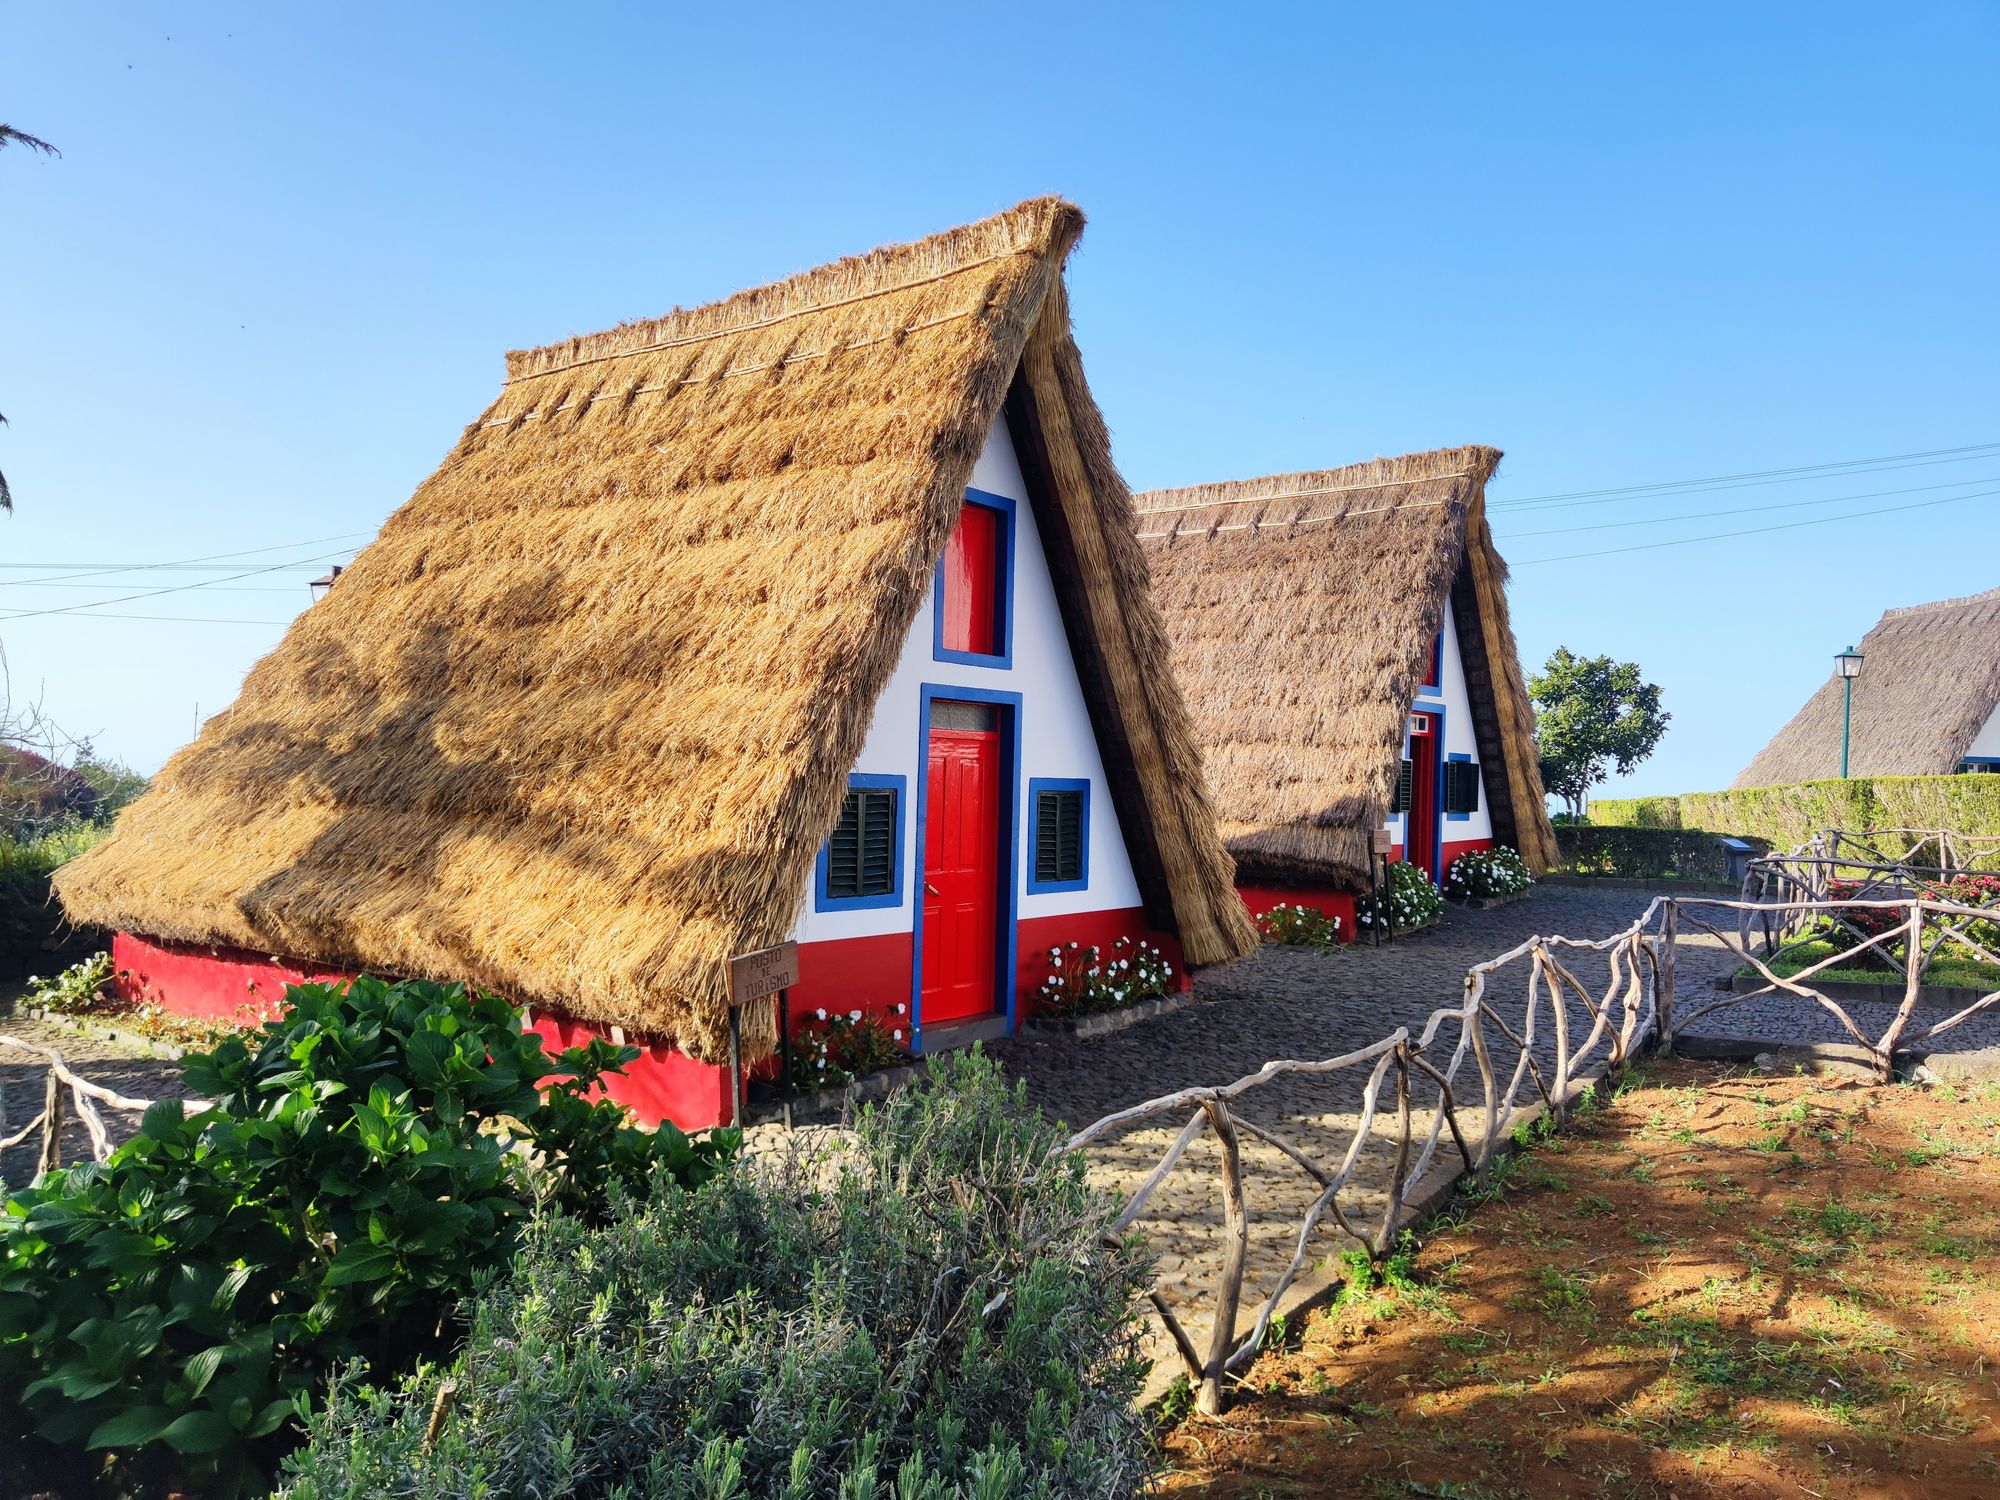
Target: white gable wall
<point x="1056" y="734"/>
<point x="1458" y="737"/>
<point x="1986" y="744"/>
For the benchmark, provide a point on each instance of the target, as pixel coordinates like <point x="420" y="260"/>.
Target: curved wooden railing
<point x="83" y="1096"/>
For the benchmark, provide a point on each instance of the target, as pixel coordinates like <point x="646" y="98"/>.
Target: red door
<point x="1420" y="836"/>
<point x="961" y="875"/>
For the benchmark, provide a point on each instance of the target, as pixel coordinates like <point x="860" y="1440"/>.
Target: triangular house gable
<point x="1301" y="610"/>
<point x="575" y="726"/>
<point x="1927" y="694"/>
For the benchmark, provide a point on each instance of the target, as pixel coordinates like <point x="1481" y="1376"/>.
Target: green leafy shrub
<point x="1083" y="982"/>
<point x="932" y="1315"/>
<point x="1297" y="925"/>
<point x="1499" y="871"/>
<point x="371" y="1156"/>
<point x="830" y="1049"/>
<point x="1409" y="900"/>
<point x="76" y="989"/>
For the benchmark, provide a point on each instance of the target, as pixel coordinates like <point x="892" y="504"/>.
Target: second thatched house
<point x="1343" y="641"/>
<point x="814" y="613"/>
<point x="1926" y="702"/>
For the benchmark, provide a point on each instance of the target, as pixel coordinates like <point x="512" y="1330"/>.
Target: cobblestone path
<point x="23" y="1078"/>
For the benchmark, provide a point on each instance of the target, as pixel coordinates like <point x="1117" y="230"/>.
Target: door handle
<point x="933" y="890"/>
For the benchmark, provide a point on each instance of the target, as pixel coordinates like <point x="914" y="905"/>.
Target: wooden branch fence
<point x="1473" y="1070"/>
<point x="84" y="1097"/>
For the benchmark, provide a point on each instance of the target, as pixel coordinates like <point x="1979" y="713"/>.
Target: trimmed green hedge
<point x="1639" y="853"/>
<point x="1786" y="816"/>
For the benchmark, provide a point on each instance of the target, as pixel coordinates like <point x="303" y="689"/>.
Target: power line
<point x="1773" y="476"/>
<point x="99" y="569"/>
<point x="1689" y="541"/>
<point x="181" y="588"/>
<point x="1747" y="510"/>
<point x="178" y="619"/>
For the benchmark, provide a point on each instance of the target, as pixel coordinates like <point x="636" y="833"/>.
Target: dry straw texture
<point x="1929" y="681"/>
<point x="575" y="725"/>
<point x="1301" y="608"/>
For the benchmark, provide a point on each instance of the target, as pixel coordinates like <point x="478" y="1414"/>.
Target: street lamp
<point x="1848" y="665"/>
<point x="322" y="585"/>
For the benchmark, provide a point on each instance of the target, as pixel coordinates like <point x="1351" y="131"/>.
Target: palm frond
<point x="9" y="135"/>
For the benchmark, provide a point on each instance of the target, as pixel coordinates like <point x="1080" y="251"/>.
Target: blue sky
<point x="274" y="270"/>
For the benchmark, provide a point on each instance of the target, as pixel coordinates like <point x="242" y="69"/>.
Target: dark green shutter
<point x="1059" y="835"/>
<point x="1404" y="777"/>
<point x="861" y="852"/>
<point x="1461" y="786"/>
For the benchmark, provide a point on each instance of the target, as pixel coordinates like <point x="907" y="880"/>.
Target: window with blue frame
<point x="1059" y="830"/>
<point x="861" y="864"/>
<point x="1461" y="787"/>
<point x="974" y="603"/>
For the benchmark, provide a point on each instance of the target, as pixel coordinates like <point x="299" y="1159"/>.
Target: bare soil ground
<point x="1717" y="1284"/>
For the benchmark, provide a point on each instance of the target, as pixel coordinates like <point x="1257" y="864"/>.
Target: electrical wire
<point x="1758" y="476"/>
<point x="100" y="569"/>
<point x="182" y="588"/>
<point x="1747" y="510"/>
<point x="1689" y="541"/>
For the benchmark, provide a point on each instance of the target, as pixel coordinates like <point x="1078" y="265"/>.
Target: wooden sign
<point x="1381" y="841"/>
<point x="752" y="976"/>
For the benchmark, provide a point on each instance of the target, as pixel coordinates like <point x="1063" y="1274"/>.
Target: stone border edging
<point x="1487" y="903"/>
<point x="86" y="1025"/>
<point x="1104" y="1023"/>
<point x="1929" y="996"/>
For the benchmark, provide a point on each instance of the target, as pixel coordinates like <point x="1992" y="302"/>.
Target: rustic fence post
<point x="1670" y="931"/>
<point x="52" y="1124"/>
<point x="1913" y="978"/>
<point x="1236" y="1245"/>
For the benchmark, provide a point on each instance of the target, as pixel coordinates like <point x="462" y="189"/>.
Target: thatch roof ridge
<point x="1472" y="462"/>
<point x="1300" y="607"/>
<point x="1930" y="680"/>
<point x="1041" y="227"/>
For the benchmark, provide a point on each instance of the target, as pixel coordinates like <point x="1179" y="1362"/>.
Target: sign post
<point x="758" y="976"/>
<point x="1379" y="845"/>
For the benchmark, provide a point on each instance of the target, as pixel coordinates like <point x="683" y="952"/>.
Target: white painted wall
<point x="1987" y="741"/>
<point x="1056" y="734"/>
<point x="1458" y="737"/>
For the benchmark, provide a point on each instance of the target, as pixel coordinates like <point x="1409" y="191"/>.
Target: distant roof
<point x="575" y="725"/>
<point x="1930" y="680"/>
<point x="1301" y="608"/>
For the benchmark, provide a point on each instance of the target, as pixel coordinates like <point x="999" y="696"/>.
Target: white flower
<point x="1072" y="945"/>
<point x="821" y="1012"/>
<point x="897" y="1033"/>
<point x="900" y="1007"/>
<point x="854" y="1015"/>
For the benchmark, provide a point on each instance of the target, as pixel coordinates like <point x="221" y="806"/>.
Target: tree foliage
<point x="1592" y="713"/>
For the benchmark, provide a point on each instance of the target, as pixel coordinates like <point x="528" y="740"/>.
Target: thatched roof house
<point x="1306" y="612"/>
<point x="576" y="725"/>
<point x="1924" y="705"/>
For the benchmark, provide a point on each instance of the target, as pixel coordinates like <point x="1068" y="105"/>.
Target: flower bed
<point x="1295" y="925"/>
<point x="830" y="1051"/>
<point x="1083" y="982"/>
<point x="1484" y="875"/>
<point x="1409" y="901"/>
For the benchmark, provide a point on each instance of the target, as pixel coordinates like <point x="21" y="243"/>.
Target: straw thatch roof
<point x="1929" y="681"/>
<point x="575" y="725"/>
<point x="1301" y="608"/>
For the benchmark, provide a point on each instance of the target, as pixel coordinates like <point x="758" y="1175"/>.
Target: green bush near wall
<point x="1639" y="853"/>
<point x="1786" y="816"/>
<point x="34" y="937"/>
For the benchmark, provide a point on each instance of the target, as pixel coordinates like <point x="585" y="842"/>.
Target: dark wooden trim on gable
<point x="1480" y="688"/>
<point x="1135" y="813"/>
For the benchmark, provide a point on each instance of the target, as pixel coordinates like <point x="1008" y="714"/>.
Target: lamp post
<point x="1848" y="664"/>
<point x="321" y="587"/>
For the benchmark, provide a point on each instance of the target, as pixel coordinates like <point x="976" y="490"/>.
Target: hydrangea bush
<point x="1082" y="981"/>
<point x="1498" y="871"/>
<point x="1291" y="923"/>
<point x="1408" y="900"/>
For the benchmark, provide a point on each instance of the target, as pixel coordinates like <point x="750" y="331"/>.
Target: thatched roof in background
<point x="1930" y="681"/>
<point x="575" y="725"/>
<point x="1301" y="608"/>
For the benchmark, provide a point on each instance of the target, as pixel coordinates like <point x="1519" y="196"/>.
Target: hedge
<point x="1639" y="853"/>
<point x="34" y="937"/>
<point x="1786" y="816"/>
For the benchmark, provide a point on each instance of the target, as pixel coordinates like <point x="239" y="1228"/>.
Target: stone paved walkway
<point x="23" y="1078"/>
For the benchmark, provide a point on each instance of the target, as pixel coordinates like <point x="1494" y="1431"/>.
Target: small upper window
<point x="1061" y="858"/>
<point x="1436" y="667"/>
<point x="859" y="864"/>
<point x="972" y="607"/>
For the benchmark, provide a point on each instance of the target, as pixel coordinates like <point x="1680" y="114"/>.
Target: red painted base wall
<point x="1333" y="901"/>
<point x="871" y="975"/>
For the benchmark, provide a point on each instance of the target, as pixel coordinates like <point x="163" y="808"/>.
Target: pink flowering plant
<point x="1084" y="981"/>
<point x="832" y="1049"/>
<point x="1297" y="925"/>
